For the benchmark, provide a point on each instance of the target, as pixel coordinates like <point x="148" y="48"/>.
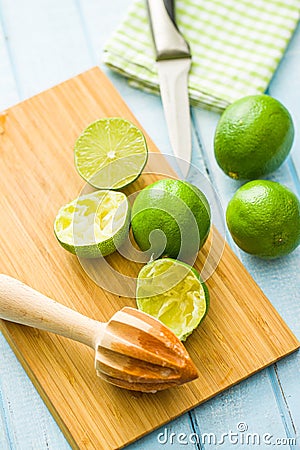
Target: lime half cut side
<point x="173" y="292"/>
<point x="110" y="153"/>
<point x="93" y="225"/>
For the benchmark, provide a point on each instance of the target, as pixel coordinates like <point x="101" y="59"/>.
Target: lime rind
<point x="110" y="153"/>
<point x="253" y="137"/>
<point x="93" y="225"/>
<point x="173" y="292"/>
<point x="179" y="210"/>
<point x="263" y="218"/>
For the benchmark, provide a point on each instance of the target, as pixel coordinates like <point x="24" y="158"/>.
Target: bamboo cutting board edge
<point x="95" y="77"/>
<point x="62" y="424"/>
<point x="37" y="385"/>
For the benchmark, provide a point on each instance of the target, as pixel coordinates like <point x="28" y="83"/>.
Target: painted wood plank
<point x="77" y="101"/>
<point x="8" y="88"/>
<point x="47" y="43"/>
<point x="174" y="436"/>
<point x="246" y="407"/>
<point x="283" y="273"/>
<point x="287" y="371"/>
<point x="38" y="47"/>
<point x="28" y="422"/>
<point x="147" y="108"/>
<point x="24" y="419"/>
<point x="4" y="432"/>
<point x="158" y="132"/>
<point x="289" y="91"/>
<point x="46" y="62"/>
<point x="255" y="417"/>
<point x="284" y="270"/>
<point x="99" y="21"/>
<point x="269" y="275"/>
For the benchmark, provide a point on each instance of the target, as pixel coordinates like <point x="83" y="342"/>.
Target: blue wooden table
<point x="43" y="42"/>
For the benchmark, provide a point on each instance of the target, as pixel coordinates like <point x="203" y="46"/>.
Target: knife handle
<point x="168" y="42"/>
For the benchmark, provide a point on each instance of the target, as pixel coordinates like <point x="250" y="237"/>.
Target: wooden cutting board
<point x="241" y="334"/>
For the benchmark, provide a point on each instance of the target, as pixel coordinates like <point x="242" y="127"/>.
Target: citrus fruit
<point x="110" y="153"/>
<point x="253" y="137"/>
<point x="93" y="225"/>
<point x="171" y="218"/>
<point x="173" y="292"/>
<point x="263" y="218"/>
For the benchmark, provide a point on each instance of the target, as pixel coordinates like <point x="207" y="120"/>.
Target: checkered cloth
<point x="236" y="46"/>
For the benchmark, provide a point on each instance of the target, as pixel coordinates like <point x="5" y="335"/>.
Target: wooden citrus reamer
<point x="133" y="350"/>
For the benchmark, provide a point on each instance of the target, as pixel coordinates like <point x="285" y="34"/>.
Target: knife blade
<point x="173" y="59"/>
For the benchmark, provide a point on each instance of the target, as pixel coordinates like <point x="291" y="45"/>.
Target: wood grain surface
<point x="241" y="334"/>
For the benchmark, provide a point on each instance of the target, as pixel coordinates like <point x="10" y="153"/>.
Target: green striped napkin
<point x="236" y="46"/>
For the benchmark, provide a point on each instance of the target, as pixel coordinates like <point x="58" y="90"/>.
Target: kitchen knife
<point x="173" y="59"/>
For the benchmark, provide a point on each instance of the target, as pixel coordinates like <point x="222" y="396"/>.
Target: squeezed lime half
<point x="93" y="225"/>
<point x="173" y="292"/>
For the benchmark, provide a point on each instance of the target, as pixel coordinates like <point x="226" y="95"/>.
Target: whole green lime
<point x="263" y="218"/>
<point x="253" y="137"/>
<point x="171" y="218"/>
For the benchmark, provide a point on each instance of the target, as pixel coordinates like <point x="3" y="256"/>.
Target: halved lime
<point x="110" y="153"/>
<point x="93" y="225"/>
<point x="173" y="292"/>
